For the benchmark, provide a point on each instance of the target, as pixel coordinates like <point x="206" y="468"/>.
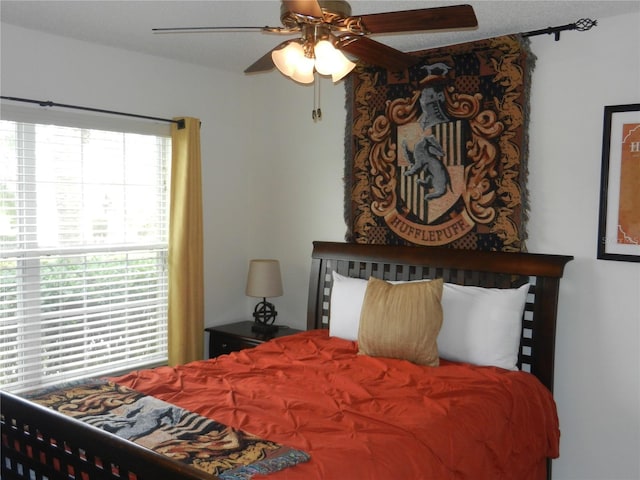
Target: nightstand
<point x="232" y="337"/>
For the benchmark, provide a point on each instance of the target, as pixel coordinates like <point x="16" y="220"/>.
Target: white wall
<point x="45" y="67"/>
<point x="296" y="183"/>
<point x="597" y="362"/>
<point x="598" y="342"/>
<point x="273" y="184"/>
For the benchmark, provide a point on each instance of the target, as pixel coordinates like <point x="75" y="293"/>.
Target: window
<point x="83" y="242"/>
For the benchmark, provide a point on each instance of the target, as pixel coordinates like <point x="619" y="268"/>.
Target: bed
<point x="345" y="413"/>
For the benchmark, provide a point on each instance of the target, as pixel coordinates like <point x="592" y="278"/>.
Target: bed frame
<point x="39" y="443"/>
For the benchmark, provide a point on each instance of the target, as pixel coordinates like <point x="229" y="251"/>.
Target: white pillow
<point x="482" y="325"/>
<point x="347" y="295"/>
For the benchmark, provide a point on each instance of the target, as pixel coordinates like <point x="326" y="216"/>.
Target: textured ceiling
<point x="128" y="24"/>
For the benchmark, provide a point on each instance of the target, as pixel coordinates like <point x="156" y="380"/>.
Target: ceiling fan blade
<point x="376" y="53"/>
<point x="265" y="63"/>
<point x="304" y="7"/>
<point x="206" y="29"/>
<point x="438" y="18"/>
<point x="266" y="29"/>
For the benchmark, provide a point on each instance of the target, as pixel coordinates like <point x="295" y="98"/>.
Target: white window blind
<point x="83" y="264"/>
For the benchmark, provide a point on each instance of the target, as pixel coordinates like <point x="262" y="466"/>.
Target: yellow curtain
<point x="186" y="269"/>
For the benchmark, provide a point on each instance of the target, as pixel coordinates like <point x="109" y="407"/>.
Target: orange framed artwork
<point x="619" y="227"/>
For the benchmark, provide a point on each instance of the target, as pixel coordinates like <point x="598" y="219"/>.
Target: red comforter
<point x="361" y="417"/>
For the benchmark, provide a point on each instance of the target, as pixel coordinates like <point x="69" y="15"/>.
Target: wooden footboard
<point x="39" y="443"/>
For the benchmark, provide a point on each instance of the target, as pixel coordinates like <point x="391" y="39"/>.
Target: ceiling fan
<point x="326" y="30"/>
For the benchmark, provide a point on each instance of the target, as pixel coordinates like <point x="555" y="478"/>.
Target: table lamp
<point x="264" y="281"/>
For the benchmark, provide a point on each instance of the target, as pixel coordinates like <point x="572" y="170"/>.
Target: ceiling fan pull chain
<point x="318" y="111"/>
<point x="313" y="112"/>
<point x="316" y="114"/>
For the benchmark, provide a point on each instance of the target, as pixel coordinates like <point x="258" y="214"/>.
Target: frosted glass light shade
<point x="331" y="61"/>
<point x="304" y="70"/>
<point x="286" y="59"/>
<point x="325" y="57"/>
<point x="345" y="66"/>
<point x="293" y="63"/>
<point x="264" y="279"/>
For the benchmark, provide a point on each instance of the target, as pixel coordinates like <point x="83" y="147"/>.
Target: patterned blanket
<point x="170" y="430"/>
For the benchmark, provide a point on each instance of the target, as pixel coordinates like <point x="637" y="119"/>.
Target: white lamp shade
<point x="292" y="62"/>
<point x="264" y="279"/>
<point x="331" y="61"/>
<point x="286" y="59"/>
<point x="304" y="70"/>
<point x="345" y="66"/>
<point x="325" y="57"/>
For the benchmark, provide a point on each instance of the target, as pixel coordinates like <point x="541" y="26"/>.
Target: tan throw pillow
<point x="401" y="321"/>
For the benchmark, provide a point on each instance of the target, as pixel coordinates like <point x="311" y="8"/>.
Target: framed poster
<point x="619" y="227"/>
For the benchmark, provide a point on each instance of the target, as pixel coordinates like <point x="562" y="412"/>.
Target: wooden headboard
<point x="464" y="267"/>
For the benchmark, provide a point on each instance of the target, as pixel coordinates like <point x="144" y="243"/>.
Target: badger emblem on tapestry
<point x="436" y="155"/>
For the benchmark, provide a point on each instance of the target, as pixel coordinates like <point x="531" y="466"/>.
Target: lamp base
<point x="264" y="315"/>
<point x="265" y="312"/>
<point x="264" y="329"/>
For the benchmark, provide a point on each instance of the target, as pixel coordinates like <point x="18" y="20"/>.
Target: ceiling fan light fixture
<point x="286" y="59"/>
<point x="293" y="62"/>
<point x="343" y="67"/>
<point x="304" y="70"/>
<point x="331" y="61"/>
<point x="326" y="57"/>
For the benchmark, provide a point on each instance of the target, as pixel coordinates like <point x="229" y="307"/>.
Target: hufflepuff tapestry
<point x="436" y="154"/>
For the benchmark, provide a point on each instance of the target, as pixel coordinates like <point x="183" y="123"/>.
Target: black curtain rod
<point x="48" y="103"/>
<point x="581" y="25"/>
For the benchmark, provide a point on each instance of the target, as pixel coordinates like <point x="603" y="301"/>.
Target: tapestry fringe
<point x="348" y="152"/>
<point x="528" y="74"/>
